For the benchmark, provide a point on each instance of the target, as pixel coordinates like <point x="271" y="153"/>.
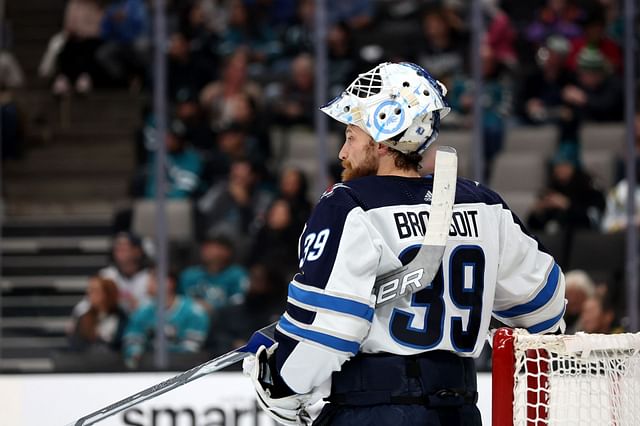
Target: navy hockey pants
<point x="433" y="389"/>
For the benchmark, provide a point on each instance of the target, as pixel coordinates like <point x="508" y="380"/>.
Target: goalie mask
<point x="397" y="104"/>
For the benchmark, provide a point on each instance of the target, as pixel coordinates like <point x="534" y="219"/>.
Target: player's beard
<point x="368" y="167"/>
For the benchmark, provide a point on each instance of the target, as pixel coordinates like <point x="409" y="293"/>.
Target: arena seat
<point x="518" y="171"/>
<point x="520" y="202"/>
<point x="600" y="164"/>
<point x="541" y="140"/>
<point x="179" y="219"/>
<point x="461" y="140"/>
<point x="608" y="136"/>
<point x="556" y="245"/>
<point x="601" y="255"/>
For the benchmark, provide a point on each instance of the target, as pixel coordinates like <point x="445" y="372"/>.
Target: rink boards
<point x="222" y="399"/>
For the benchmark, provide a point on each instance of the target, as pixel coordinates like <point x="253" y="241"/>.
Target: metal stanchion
<point x="160" y="113"/>
<point x="476" y="72"/>
<point x="321" y="70"/>
<point x="629" y="115"/>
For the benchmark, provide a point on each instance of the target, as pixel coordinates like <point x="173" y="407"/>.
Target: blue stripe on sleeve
<point x="332" y="303"/>
<point x="544" y="325"/>
<point x="541" y="299"/>
<point x="321" y="338"/>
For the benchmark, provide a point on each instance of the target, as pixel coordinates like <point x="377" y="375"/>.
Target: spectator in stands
<point x="357" y="14"/>
<point x="297" y="38"/>
<point x="217" y="280"/>
<point x="621" y="155"/>
<point x="201" y="21"/>
<point x="276" y="242"/>
<point x="183" y="169"/>
<point x="186" y="73"/>
<point x="186" y="328"/>
<point x="245" y="30"/>
<point x="201" y="18"/>
<point x="275" y="13"/>
<point x="232" y="143"/>
<point x="295" y="103"/>
<point x="247" y="115"/>
<point x="125" y="33"/>
<point x="597" y="96"/>
<point x="501" y="35"/>
<point x="245" y="137"/>
<point x="233" y="207"/>
<point x="441" y="49"/>
<point x="615" y="215"/>
<point x="187" y="110"/>
<point x="101" y="327"/>
<point x="595" y="36"/>
<point x="293" y="188"/>
<point x="540" y="97"/>
<point x="579" y="288"/>
<point x="497" y="103"/>
<point x="263" y="304"/>
<point x="570" y="199"/>
<point x="129" y="270"/>
<point x="219" y="99"/>
<point x="598" y="316"/>
<point x="11" y="75"/>
<point x="556" y="17"/>
<point x="76" y="62"/>
<point x="614" y="20"/>
<point x="198" y="20"/>
<point x="189" y="122"/>
<point x="342" y="58"/>
<point x="11" y="78"/>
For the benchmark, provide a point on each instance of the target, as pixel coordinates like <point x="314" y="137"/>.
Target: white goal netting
<point x="581" y="380"/>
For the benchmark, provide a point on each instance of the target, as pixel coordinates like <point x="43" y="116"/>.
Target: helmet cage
<point x="390" y="100"/>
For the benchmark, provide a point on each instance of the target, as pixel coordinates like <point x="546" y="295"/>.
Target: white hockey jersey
<point x="370" y="226"/>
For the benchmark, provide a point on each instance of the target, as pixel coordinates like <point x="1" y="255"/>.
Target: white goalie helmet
<point x="397" y="104"/>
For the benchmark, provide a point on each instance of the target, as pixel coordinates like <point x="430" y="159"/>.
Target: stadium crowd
<point x="237" y="68"/>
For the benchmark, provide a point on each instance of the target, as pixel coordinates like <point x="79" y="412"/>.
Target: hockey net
<point x="582" y="379"/>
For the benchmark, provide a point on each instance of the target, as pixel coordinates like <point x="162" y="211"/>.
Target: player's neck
<point x="387" y="167"/>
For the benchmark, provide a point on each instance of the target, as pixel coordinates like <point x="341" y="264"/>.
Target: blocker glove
<point x="284" y="407"/>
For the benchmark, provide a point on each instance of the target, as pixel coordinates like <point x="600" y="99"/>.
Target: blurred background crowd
<point x="78" y="151"/>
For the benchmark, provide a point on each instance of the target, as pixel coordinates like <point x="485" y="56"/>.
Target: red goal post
<point x="581" y="379"/>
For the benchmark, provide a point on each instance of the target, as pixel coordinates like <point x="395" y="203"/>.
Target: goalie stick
<point x="264" y="336"/>
<point x="396" y="284"/>
<point x="424" y="267"/>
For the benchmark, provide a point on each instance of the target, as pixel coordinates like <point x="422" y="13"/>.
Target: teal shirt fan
<point x="186" y="328"/>
<point x="215" y="289"/>
<point x="183" y="174"/>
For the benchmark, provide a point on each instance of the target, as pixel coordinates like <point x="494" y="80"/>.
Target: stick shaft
<point x="264" y="336"/>
<point x="208" y="367"/>
<point x="443" y="197"/>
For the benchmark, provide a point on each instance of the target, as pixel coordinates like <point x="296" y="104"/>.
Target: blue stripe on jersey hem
<point x="299" y="314"/>
<point x="546" y="324"/>
<point x="332" y="303"/>
<point x="540" y="300"/>
<point x="324" y="339"/>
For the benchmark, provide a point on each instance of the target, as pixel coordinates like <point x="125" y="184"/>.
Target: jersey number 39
<point x="314" y="246"/>
<point x="465" y="288"/>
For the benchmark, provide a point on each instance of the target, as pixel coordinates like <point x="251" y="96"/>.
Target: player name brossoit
<point x="411" y="224"/>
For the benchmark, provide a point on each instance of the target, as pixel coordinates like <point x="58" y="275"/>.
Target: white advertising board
<point x="221" y="399"/>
